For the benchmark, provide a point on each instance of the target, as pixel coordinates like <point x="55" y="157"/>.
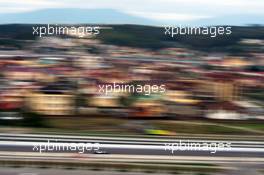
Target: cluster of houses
<point x="62" y="80"/>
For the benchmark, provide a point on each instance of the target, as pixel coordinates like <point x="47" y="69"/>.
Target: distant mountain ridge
<point x="234" y="20"/>
<point x="74" y="16"/>
<point x="110" y="16"/>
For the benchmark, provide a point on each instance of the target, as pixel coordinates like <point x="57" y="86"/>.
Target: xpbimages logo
<point x="212" y="31"/>
<point x="145" y="89"/>
<point x="186" y="145"/>
<point x="57" y="146"/>
<point x="51" y="30"/>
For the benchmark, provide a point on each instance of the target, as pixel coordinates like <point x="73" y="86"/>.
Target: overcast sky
<point x="152" y="9"/>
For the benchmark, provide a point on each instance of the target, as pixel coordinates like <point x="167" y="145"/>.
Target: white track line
<point x="45" y="145"/>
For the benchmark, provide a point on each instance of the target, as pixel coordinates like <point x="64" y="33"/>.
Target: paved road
<point x="36" y="171"/>
<point x="243" y="156"/>
<point x="131" y="146"/>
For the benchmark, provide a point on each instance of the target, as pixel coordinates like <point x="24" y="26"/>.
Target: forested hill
<point x="143" y="37"/>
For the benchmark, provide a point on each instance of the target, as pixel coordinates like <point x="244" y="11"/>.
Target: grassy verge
<point x="119" y="126"/>
<point x="124" y="167"/>
<point x="212" y="127"/>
